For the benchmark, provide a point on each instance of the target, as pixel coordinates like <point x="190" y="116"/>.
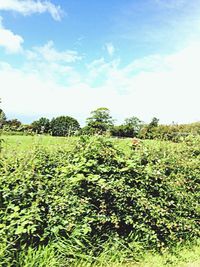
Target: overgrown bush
<point x="175" y="132"/>
<point x="96" y="193"/>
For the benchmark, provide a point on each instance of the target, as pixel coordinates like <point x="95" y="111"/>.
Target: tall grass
<point x="113" y="255"/>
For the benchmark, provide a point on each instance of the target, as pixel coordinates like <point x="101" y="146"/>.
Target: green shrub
<point x="96" y="193"/>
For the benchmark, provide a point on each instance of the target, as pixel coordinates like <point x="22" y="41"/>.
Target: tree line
<point x="100" y="122"/>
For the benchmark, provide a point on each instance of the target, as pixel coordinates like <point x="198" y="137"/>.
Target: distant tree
<point x="12" y="125"/>
<point x="154" y="122"/>
<point x="64" y="126"/>
<point x="118" y="130"/>
<point x="41" y="126"/>
<point x="130" y="128"/>
<point x="100" y="121"/>
<point x="151" y="128"/>
<point x="133" y="125"/>
<point x="25" y="128"/>
<point x="86" y="130"/>
<point x="2" y="118"/>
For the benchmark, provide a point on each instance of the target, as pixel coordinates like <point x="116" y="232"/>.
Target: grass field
<point x="25" y="143"/>
<point x="21" y="166"/>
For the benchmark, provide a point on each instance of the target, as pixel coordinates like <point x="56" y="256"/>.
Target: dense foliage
<point x="97" y="192"/>
<point x="100" y="122"/>
<point x="64" y="126"/>
<point x="41" y="126"/>
<point x="130" y="128"/>
<point x="174" y="132"/>
<point x="2" y="118"/>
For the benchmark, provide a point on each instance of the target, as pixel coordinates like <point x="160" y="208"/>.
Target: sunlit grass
<point x="23" y="143"/>
<point x="54" y="256"/>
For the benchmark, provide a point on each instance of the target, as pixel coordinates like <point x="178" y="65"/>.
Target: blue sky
<point x="138" y="58"/>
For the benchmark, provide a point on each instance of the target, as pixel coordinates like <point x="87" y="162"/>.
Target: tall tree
<point x="41" y="126"/>
<point x="64" y="126"/>
<point x="100" y="121"/>
<point x="151" y="128"/>
<point x="154" y="122"/>
<point x="133" y="125"/>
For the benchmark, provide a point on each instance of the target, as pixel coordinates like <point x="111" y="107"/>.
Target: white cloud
<point x="170" y="93"/>
<point x="110" y="49"/>
<point x="100" y="67"/>
<point x="52" y="64"/>
<point x="50" y="54"/>
<point x="28" y="7"/>
<point x="28" y="94"/>
<point x="10" y="41"/>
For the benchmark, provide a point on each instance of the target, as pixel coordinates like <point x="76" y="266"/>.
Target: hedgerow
<point x="95" y="193"/>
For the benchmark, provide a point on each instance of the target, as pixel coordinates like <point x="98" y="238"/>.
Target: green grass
<point x="20" y="143"/>
<point x="23" y="143"/>
<point x="53" y="256"/>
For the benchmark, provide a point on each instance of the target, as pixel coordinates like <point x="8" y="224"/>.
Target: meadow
<point x="99" y="201"/>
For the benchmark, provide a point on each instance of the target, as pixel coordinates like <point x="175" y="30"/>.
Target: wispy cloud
<point x="99" y="67"/>
<point x="28" y="7"/>
<point x="157" y="26"/>
<point x="110" y="49"/>
<point x="57" y="66"/>
<point x="10" y="41"/>
<point x="141" y="88"/>
<point x="49" y="53"/>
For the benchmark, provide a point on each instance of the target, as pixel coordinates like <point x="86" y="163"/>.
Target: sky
<point x="136" y="57"/>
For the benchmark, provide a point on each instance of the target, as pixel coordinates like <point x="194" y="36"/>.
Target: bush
<point x="175" y="133"/>
<point x="95" y="193"/>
